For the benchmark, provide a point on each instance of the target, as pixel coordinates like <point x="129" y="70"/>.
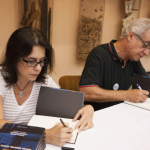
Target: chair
<point x="70" y="82"/>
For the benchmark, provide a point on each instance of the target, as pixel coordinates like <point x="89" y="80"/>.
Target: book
<point x="144" y="83"/>
<point x="59" y="102"/>
<point x="54" y="104"/>
<point x="49" y="122"/>
<point x="23" y="137"/>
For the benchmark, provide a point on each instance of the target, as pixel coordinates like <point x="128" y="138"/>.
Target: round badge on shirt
<point x="116" y="86"/>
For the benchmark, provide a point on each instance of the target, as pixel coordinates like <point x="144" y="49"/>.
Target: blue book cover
<point x="22" y="137"/>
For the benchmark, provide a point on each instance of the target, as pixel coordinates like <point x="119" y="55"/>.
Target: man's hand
<point x="59" y="135"/>
<point x="85" y="122"/>
<point x="136" y="95"/>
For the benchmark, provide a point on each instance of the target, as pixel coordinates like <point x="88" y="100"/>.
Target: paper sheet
<point x="48" y="122"/>
<point x="145" y="105"/>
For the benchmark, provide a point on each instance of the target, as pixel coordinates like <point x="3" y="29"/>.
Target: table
<point x="119" y="127"/>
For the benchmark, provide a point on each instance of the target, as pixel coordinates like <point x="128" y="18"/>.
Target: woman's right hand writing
<point x="58" y="135"/>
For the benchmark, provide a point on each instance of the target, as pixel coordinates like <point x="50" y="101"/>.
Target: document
<point x="145" y="105"/>
<point x="48" y="122"/>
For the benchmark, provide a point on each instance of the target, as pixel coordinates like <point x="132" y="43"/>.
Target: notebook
<point x="54" y="104"/>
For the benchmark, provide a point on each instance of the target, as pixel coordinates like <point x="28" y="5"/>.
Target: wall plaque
<point x="90" y="26"/>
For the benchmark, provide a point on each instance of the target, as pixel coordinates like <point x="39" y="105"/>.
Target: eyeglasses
<point x="35" y="63"/>
<point x="146" y="46"/>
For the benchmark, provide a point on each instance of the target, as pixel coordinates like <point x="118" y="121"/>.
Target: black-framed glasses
<point x="35" y="63"/>
<point x="146" y="46"/>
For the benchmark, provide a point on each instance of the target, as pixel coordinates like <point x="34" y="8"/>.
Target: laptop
<point x="142" y="81"/>
<point x="59" y="102"/>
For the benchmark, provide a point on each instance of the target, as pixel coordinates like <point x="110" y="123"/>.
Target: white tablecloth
<point x="120" y="127"/>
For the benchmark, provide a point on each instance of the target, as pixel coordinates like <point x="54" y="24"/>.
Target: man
<point x="109" y="68"/>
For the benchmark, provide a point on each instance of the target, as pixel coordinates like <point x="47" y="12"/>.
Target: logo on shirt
<point x="116" y="86"/>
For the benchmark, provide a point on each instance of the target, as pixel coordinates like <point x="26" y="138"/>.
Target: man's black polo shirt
<point x="105" y="69"/>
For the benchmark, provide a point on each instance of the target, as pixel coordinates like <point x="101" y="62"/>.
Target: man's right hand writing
<point x="136" y="95"/>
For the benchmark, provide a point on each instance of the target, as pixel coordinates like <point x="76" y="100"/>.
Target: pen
<point x="138" y="86"/>
<point x="69" y="129"/>
<point x="67" y="148"/>
<point x="63" y="123"/>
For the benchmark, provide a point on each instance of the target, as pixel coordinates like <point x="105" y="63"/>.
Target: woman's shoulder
<point x="3" y="88"/>
<point x="2" y="81"/>
<point x="49" y="82"/>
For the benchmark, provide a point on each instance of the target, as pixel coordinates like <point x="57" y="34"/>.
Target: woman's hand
<point x="58" y="135"/>
<point x="85" y="122"/>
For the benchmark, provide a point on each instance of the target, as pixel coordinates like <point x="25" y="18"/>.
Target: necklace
<point x="21" y="91"/>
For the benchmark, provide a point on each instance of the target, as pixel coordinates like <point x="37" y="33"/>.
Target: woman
<point x="28" y="61"/>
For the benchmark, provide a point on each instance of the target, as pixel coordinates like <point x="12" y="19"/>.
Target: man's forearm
<point x="97" y="94"/>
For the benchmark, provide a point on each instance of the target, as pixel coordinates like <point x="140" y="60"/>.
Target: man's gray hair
<point x="138" y="26"/>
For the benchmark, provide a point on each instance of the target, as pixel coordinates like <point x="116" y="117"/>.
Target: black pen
<point x="63" y="123"/>
<point x="67" y="148"/>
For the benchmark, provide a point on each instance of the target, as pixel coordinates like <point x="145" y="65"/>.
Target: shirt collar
<point x="113" y="50"/>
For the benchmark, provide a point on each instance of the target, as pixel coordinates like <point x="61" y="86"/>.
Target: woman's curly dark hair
<point x="20" y="45"/>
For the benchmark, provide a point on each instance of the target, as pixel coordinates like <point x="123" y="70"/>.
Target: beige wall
<point x="8" y="20"/>
<point x="65" y="27"/>
<point x="64" y="40"/>
<point x="114" y="12"/>
<point x="145" y="12"/>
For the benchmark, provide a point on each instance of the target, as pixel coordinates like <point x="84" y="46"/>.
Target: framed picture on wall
<point x="36" y="14"/>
